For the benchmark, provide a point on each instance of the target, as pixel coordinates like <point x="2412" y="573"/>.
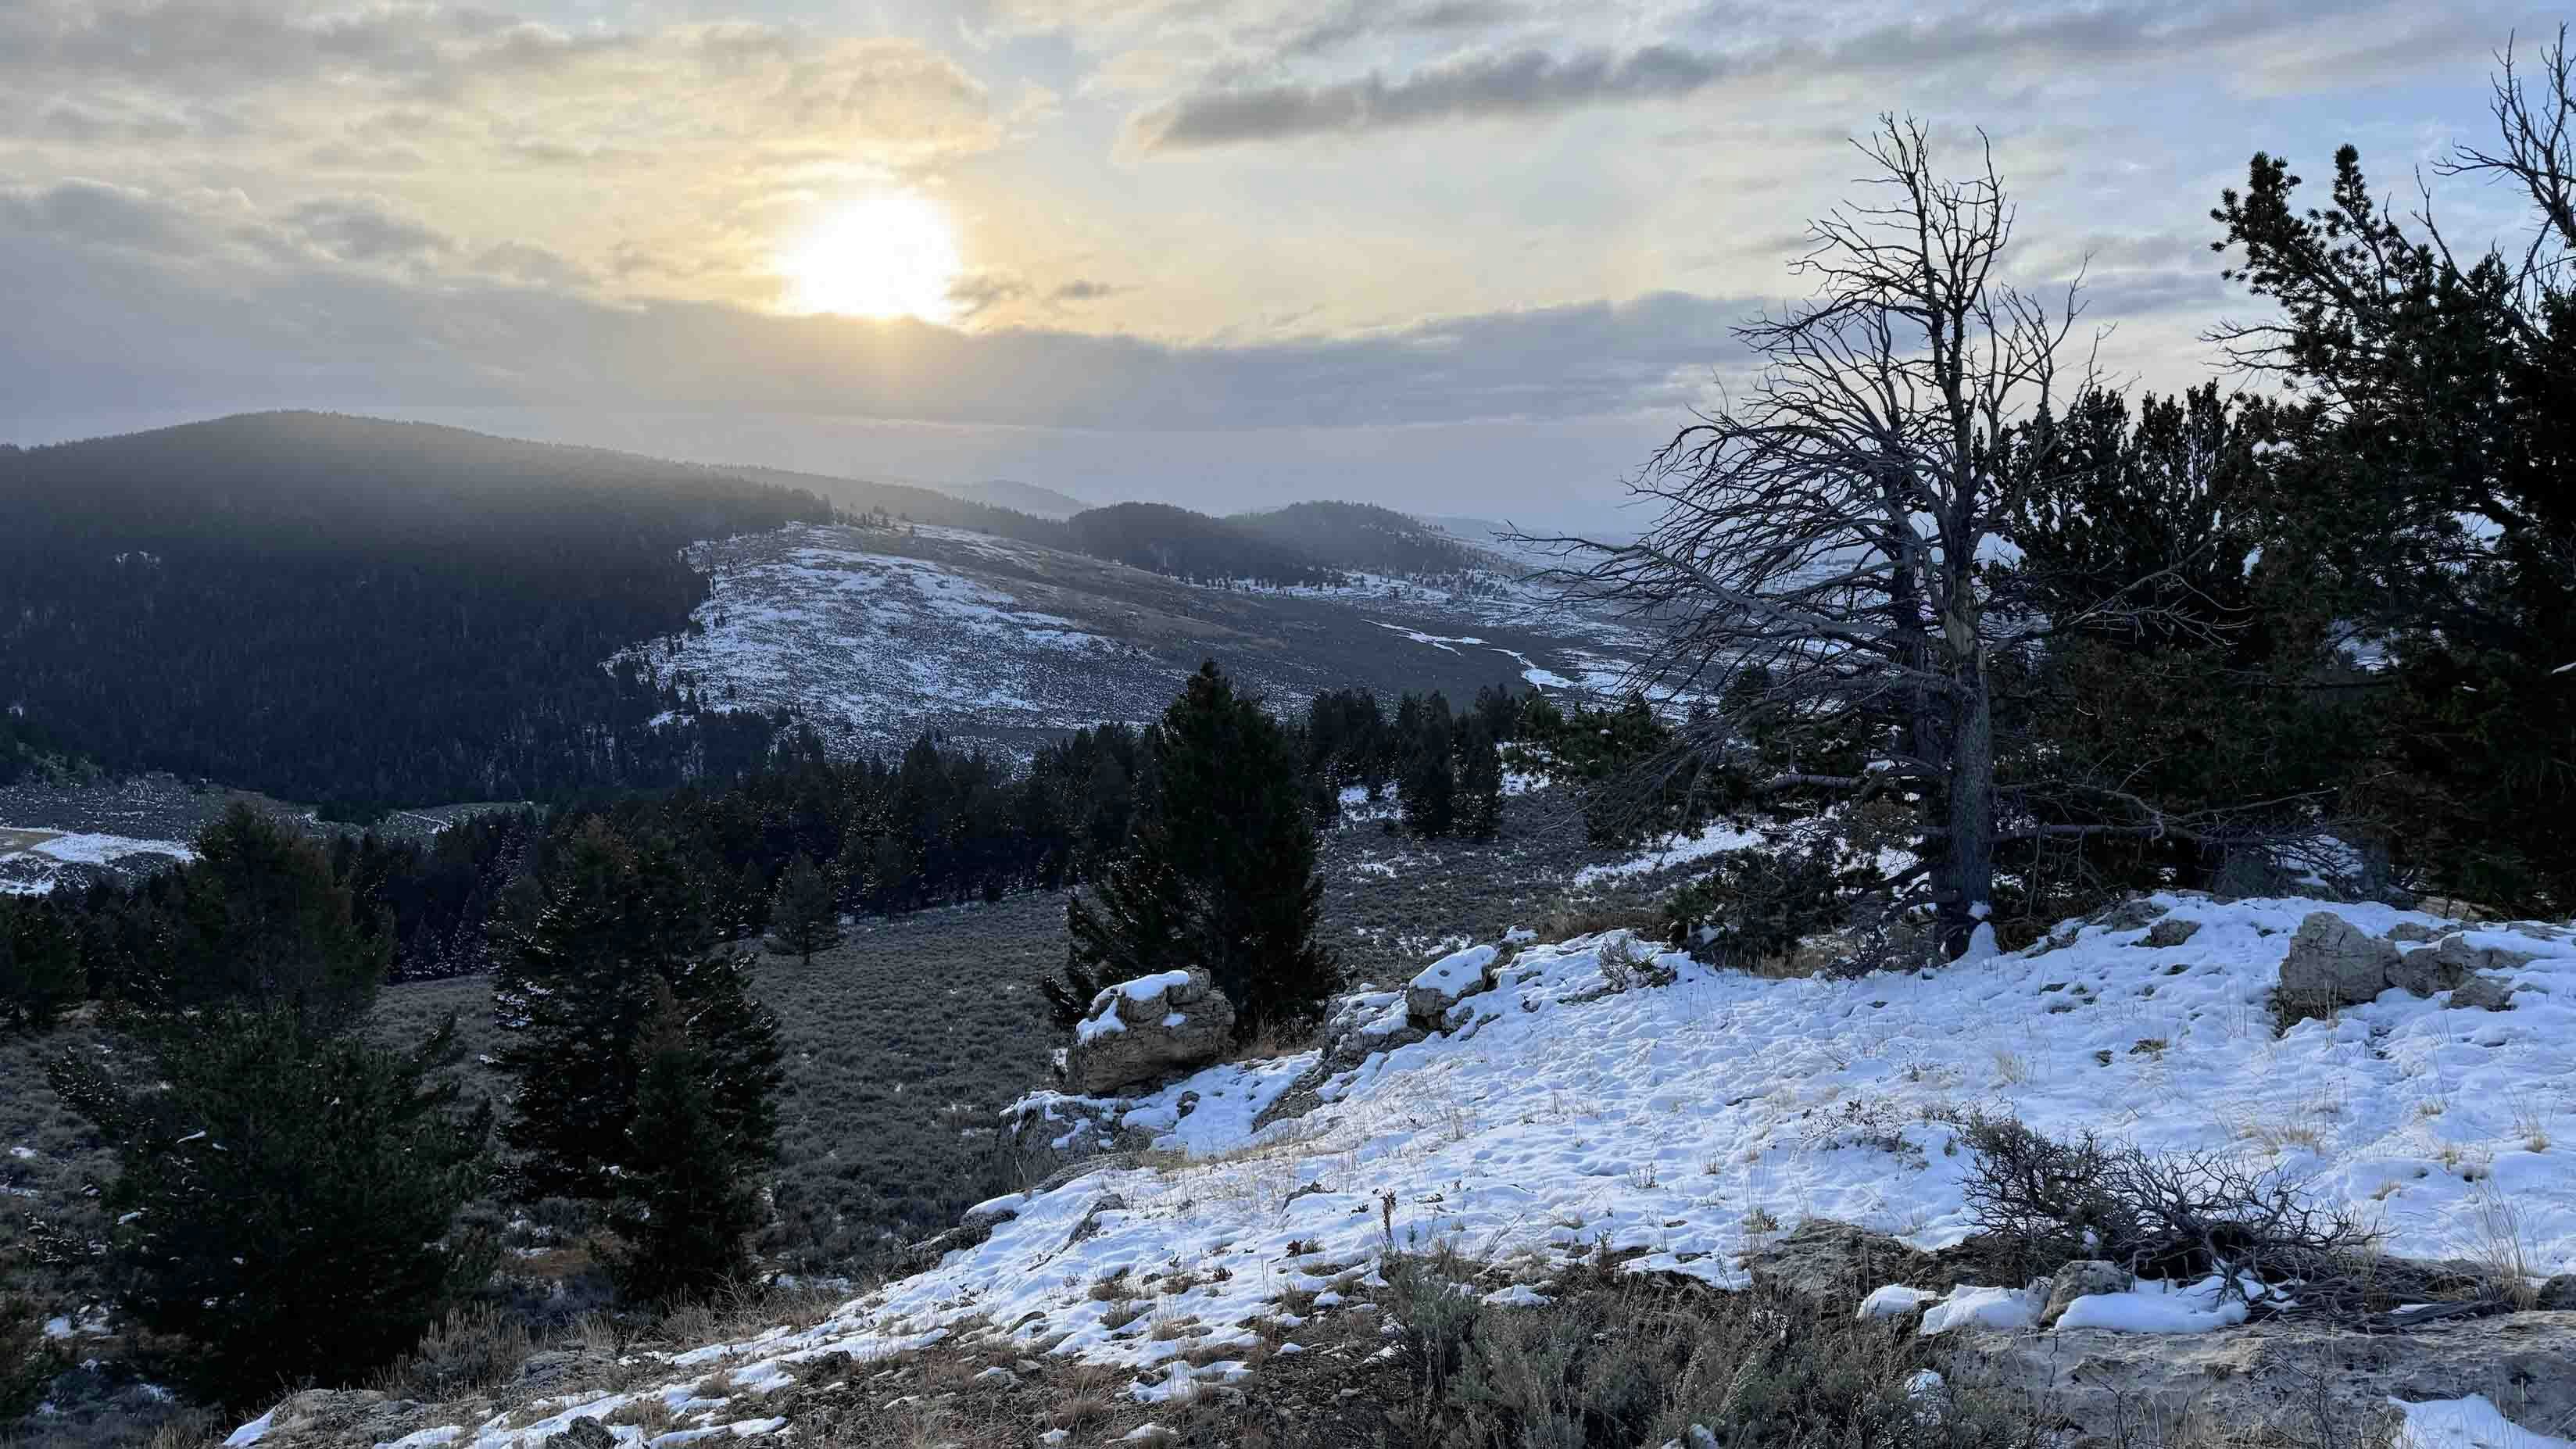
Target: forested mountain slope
<point x="1361" y="537"/>
<point x="359" y="612"/>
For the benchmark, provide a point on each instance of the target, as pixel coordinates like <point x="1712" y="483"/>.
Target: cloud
<point x="1525" y="82"/>
<point x="96" y="213"/>
<point x="363" y="229"/>
<point x="278" y="324"/>
<point x="1083" y="289"/>
<point x="2256" y="43"/>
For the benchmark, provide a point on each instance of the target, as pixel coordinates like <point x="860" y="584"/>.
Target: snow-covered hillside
<point x="877" y="635"/>
<point x="1602" y="1097"/>
<point x="874" y="647"/>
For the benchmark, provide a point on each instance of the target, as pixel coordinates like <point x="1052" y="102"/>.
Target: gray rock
<point x="2459" y="957"/>
<point x="2171" y="931"/>
<point x="1836" y="1261"/>
<point x="1108" y="1202"/>
<point x="2415" y="931"/>
<point x="1180" y="1027"/>
<point x="556" y="1370"/>
<point x="2115" y="1388"/>
<point x="2333" y="963"/>
<point x="583" y="1433"/>
<point x="2079" y="1279"/>
<point x="2558" y="1294"/>
<point x="2485" y="993"/>
<point x="2127" y="915"/>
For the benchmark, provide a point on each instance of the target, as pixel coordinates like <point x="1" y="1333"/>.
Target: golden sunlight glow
<point x="891" y="255"/>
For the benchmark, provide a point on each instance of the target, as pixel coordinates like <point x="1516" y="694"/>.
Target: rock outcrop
<point x="2333" y="963"/>
<point x="2109" y="1388"/>
<point x="1152" y="1027"/>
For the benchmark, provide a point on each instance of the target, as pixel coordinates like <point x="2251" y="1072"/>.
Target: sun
<point x="890" y="255"/>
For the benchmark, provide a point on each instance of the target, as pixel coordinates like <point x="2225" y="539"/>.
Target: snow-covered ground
<point x="32" y="860"/>
<point x="1579" y="1105"/>
<point x="873" y="647"/>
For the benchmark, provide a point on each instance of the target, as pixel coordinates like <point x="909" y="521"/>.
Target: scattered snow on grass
<point x="1711" y="840"/>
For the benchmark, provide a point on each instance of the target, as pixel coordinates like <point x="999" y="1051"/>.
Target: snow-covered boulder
<point x="1174" y="1021"/>
<point x="1445" y="982"/>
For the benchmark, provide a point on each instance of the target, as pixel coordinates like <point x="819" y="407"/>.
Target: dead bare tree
<point x="1818" y="551"/>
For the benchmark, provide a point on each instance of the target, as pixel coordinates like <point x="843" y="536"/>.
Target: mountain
<point x="1362" y="538"/>
<point x="1192" y="546"/>
<point x="1026" y="498"/>
<point x="911" y="503"/>
<point x="359" y="613"/>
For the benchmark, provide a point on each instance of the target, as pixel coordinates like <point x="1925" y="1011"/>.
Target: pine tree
<point x="684" y="1207"/>
<point x="1480" y="780"/>
<point x="1430" y="777"/>
<point x="572" y="997"/>
<point x="40" y="964"/>
<point x="286" y="1196"/>
<point x="805" y="914"/>
<point x="1219" y="871"/>
<point x="264" y="921"/>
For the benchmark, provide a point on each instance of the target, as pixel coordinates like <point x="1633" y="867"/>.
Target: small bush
<point x="2173" y="1215"/>
<point x="1622" y="1360"/>
<point x="472" y="1350"/>
<point x="28" y="1360"/>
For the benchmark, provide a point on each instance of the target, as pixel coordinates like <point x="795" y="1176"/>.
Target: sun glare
<point x="893" y="255"/>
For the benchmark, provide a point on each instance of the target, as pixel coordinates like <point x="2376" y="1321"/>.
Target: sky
<point x="1455" y="256"/>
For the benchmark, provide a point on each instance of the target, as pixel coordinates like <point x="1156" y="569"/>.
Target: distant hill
<point x="1026" y="498"/>
<point x="1361" y="537"/>
<point x="1189" y="545"/>
<point x="360" y="613"/>
<point x="908" y="503"/>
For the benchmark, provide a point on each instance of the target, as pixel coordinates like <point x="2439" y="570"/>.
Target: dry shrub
<point x="474" y="1349"/>
<point x="2160" y="1215"/>
<point x="1617" y="1359"/>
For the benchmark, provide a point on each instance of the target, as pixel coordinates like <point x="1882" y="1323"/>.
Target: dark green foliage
<point x="29" y="1362"/>
<point x="1480" y="780"/>
<point x="29" y="752"/>
<point x="363" y="613"/>
<point x="805" y="915"/>
<point x="1219" y="871"/>
<point x="40" y="964"/>
<point x="292" y="1195"/>
<point x="609" y="921"/>
<point x="263" y="920"/>
<point x="1756" y="905"/>
<point x="2426" y="483"/>
<point x="685" y="1207"/>
<point x="1430" y="782"/>
<point x="1637" y="775"/>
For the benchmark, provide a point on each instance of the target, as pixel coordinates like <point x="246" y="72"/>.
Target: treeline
<point x="362" y="614"/>
<point x="935" y="826"/>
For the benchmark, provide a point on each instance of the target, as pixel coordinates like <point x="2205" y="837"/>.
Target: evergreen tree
<point x="573" y="996"/>
<point x="1430" y="794"/>
<point x="1480" y="780"/>
<point x="265" y="921"/>
<point x="285" y="1197"/>
<point x="805" y="914"/>
<point x="1220" y="870"/>
<point x="684" y="1207"/>
<point x="40" y="964"/>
